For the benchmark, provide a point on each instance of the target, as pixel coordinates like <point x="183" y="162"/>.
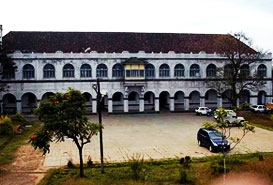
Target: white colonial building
<point x="141" y="72"/>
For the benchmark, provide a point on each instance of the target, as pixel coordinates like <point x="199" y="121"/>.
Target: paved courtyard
<point x="154" y="136"/>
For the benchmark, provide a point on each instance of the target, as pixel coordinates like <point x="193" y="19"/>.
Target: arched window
<point x="118" y="71"/>
<point x="179" y="70"/>
<point x="244" y="72"/>
<point x="149" y="70"/>
<point x="8" y="71"/>
<point x="211" y="70"/>
<point x="194" y="70"/>
<point x="86" y="71"/>
<point x="262" y="71"/>
<point x="68" y="71"/>
<point x="164" y="70"/>
<point x="28" y="71"/>
<point x="228" y="71"/>
<point x="49" y="71"/>
<point x="102" y="71"/>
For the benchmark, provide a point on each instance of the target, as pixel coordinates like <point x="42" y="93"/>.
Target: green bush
<point x="185" y="162"/>
<point x="183" y="177"/>
<point x="5" y="125"/>
<point x="136" y="163"/>
<point x="244" y="106"/>
<point x="19" y="119"/>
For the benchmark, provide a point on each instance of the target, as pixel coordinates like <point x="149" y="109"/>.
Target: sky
<point x="252" y="17"/>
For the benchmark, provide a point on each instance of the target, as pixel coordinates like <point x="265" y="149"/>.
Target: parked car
<point x="231" y="118"/>
<point x="213" y="140"/>
<point x="229" y="113"/>
<point x="234" y="120"/>
<point x="203" y="111"/>
<point x="258" y="108"/>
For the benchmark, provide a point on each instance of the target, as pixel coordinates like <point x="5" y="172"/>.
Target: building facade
<point x="139" y="72"/>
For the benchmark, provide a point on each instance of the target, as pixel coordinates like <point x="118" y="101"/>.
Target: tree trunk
<point x="234" y="95"/>
<point x="81" y="162"/>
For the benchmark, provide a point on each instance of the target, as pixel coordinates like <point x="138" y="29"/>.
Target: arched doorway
<point x="262" y="98"/>
<point x="194" y="100"/>
<point x="9" y="104"/>
<point x="47" y="95"/>
<point x="164" y="101"/>
<point x="29" y="103"/>
<point x="211" y="99"/>
<point x="244" y="97"/>
<point x="226" y="96"/>
<point x="118" y="102"/>
<point x="88" y="98"/>
<point x="149" y="101"/>
<point x="133" y="102"/>
<point x="179" y="97"/>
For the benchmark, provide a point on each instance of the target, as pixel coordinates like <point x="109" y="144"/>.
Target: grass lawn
<point x="258" y="119"/>
<point x="201" y="171"/>
<point x="10" y="143"/>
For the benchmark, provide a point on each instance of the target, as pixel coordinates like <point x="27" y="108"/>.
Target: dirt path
<point x="27" y="168"/>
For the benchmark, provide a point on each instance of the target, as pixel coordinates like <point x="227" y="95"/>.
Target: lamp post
<point x="96" y="87"/>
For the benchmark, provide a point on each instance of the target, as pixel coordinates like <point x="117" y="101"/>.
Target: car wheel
<point x="228" y="123"/>
<point x="199" y="143"/>
<point x="211" y="148"/>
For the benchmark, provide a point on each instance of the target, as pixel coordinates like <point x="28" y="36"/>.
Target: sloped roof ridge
<point x="133" y="42"/>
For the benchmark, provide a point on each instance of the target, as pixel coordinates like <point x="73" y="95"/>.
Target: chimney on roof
<point x="1" y="37"/>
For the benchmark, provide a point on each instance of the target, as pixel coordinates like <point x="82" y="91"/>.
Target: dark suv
<point x="212" y="139"/>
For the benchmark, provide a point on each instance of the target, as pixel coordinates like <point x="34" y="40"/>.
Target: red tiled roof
<point x="109" y="42"/>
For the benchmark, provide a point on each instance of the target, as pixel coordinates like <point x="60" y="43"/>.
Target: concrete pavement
<point x="154" y="136"/>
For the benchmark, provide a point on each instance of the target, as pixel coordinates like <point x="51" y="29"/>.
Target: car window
<point x="215" y="135"/>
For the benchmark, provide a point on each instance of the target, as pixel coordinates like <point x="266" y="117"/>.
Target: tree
<point x="64" y="115"/>
<point x="222" y="126"/>
<point x="234" y="76"/>
<point x="7" y="69"/>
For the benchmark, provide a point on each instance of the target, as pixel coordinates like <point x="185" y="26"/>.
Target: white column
<point x="172" y="104"/>
<point x="141" y="105"/>
<point x="94" y="105"/>
<point x="237" y="102"/>
<point x="157" y="104"/>
<point x="19" y="106"/>
<point x="202" y="101"/>
<point x="219" y="101"/>
<point x="253" y="100"/>
<point x="186" y="103"/>
<point x="110" y="105"/>
<point x="126" y="105"/>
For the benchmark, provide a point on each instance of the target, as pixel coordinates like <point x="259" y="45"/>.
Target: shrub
<point x="5" y="125"/>
<point x="185" y="163"/>
<point x="89" y="161"/>
<point x="70" y="163"/>
<point x="136" y="163"/>
<point x="19" y="119"/>
<point x="244" y="106"/>
<point x="183" y="177"/>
